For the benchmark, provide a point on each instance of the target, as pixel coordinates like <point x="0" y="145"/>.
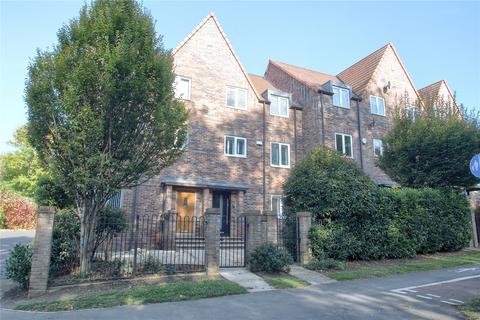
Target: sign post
<point x="475" y="169"/>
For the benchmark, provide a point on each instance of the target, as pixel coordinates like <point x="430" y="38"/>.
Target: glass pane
<point x="275" y="206"/>
<point x="231" y="97"/>
<point x="275" y="154"/>
<point x="241" y="147"/>
<point x="229" y="141"/>
<point x="185" y="88"/>
<point x="345" y="99"/>
<point x="283" y="106"/>
<point x="373" y="105"/>
<point x="285" y="156"/>
<point x="336" y="96"/>
<point x="339" y="143"/>
<point x="381" y="107"/>
<point x="348" y="146"/>
<point x="274" y="106"/>
<point x="242" y="98"/>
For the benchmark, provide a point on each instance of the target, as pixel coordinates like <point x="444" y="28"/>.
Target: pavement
<point x="393" y="298"/>
<point x="310" y="276"/>
<point x="8" y="239"/>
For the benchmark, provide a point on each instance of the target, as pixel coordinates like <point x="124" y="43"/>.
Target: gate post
<point x="473" y="206"/>
<point x="304" y="220"/>
<point x="42" y="248"/>
<point x="254" y="237"/>
<point x="212" y="240"/>
<point x="271" y="227"/>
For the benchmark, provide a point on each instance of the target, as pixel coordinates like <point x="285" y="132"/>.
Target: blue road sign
<point x="475" y="165"/>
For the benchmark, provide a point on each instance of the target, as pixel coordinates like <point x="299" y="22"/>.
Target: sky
<point x="435" y="40"/>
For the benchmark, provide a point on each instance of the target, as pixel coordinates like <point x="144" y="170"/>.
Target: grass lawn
<point x="471" y="309"/>
<point x="283" y="280"/>
<point x="361" y="270"/>
<point x="188" y="290"/>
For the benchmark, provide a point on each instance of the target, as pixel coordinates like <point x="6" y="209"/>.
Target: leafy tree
<point x="101" y="108"/>
<point x="21" y="169"/>
<point x="433" y="149"/>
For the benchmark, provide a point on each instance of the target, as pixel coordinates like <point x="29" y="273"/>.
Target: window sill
<point x="280" y="116"/>
<point x="235" y="156"/>
<point x="377" y="114"/>
<point x="348" y="108"/>
<point x="236" y="108"/>
<point x="278" y="166"/>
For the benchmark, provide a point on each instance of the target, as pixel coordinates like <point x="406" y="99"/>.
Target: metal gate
<point x="232" y="244"/>
<point x="288" y="235"/>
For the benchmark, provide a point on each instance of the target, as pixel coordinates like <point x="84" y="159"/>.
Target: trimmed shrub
<point x="19" y="212"/>
<point x="65" y="243"/>
<point x="18" y="264"/>
<point x="270" y="258"/>
<point x="325" y="264"/>
<point x="354" y="219"/>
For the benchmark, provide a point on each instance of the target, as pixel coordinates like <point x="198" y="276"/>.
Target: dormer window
<point x="341" y="97"/>
<point x="279" y="105"/>
<point x="377" y="105"/>
<point x="182" y="87"/>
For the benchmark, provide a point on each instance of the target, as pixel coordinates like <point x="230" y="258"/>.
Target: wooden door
<point x="185" y="210"/>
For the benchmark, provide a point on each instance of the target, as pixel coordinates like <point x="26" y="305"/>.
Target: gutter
<point x="264" y="134"/>
<point x="359" y="129"/>
<point x="322" y="92"/>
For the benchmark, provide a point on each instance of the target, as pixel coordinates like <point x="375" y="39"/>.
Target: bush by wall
<point x="270" y="258"/>
<point x="18" y="264"/>
<point x="65" y="243"/>
<point x="19" y="212"/>
<point x="354" y="219"/>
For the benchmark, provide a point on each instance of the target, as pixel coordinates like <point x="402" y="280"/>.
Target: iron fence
<point x="232" y="244"/>
<point x="287" y="235"/>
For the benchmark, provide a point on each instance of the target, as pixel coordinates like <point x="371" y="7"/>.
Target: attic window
<point x="279" y="106"/>
<point x="236" y="98"/>
<point x="182" y="87"/>
<point x="341" y="97"/>
<point x="377" y="105"/>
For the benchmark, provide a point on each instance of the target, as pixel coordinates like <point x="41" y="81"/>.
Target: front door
<point x="185" y="209"/>
<point x="222" y="200"/>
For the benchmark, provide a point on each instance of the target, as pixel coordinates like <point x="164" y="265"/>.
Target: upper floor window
<point x="182" y="87"/>
<point x="235" y="146"/>
<point x="115" y="201"/>
<point x="341" y="97"/>
<point x="279" y="106"/>
<point x="377" y="147"/>
<point x="411" y="112"/>
<point x="236" y="97"/>
<point x="277" y="206"/>
<point x="343" y="143"/>
<point x="280" y="154"/>
<point x="377" y="105"/>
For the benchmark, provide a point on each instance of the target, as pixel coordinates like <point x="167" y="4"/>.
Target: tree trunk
<point x="87" y="237"/>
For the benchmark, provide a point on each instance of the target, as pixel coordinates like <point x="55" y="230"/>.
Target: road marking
<point x="433" y="295"/>
<point x="424" y="297"/>
<point x="466" y="269"/>
<point x="456" y="301"/>
<point x="453" y="304"/>
<point x="410" y="289"/>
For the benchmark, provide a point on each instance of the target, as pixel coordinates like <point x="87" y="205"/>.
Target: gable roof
<point x="211" y="16"/>
<point x="432" y="91"/>
<point x="359" y="74"/>
<point x="260" y="83"/>
<point x="310" y="78"/>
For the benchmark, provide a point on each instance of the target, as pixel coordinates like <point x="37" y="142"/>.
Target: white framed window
<point x="341" y="97"/>
<point x="277" y="205"/>
<point x="236" y="98"/>
<point x="182" y="86"/>
<point x="235" y="146"/>
<point x="279" y="106"/>
<point x="116" y="200"/>
<point x="377" y="105"/>
<point x="411" y="112"/>
<point x="343" y="144"/>
<point x="280" y="154"/>
<point x="377" y="147"/>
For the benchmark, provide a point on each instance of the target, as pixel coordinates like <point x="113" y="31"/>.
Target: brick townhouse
<point x="247" y="131"/>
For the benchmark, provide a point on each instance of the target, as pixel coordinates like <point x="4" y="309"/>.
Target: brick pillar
<point x="270" y="227"/>
<point x="212" y="240"/>
<point x="205" y="199"/>
<point x="168" y="198"/>
<point x="473" y="205"/>
<point x="255" y="231"/>
<point x="304" y="220"/>
<point x="42" y="247"/>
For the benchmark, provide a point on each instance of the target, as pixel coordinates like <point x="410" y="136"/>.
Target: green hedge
<point x="354" y="219"/>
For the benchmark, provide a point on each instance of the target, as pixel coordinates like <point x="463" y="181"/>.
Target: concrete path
<point x="246" y="279"/>
<point x="310" y="276"/>
<point x="373" y="299"/>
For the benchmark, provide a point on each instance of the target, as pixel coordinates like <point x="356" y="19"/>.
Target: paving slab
<point x="312" y="277"/>
<point x="246" y="279"/>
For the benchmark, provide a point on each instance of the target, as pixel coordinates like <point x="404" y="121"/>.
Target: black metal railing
<point x="287" y="235"/>
<point x="232" y="247"/>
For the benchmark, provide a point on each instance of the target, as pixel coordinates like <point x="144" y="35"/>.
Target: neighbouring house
<point x="247" y="131"/>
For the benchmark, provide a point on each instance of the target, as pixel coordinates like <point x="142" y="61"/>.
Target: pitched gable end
<point x="211" y="17"/>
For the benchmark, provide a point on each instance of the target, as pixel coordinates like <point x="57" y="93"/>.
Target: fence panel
<point x="232" y="247"/>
